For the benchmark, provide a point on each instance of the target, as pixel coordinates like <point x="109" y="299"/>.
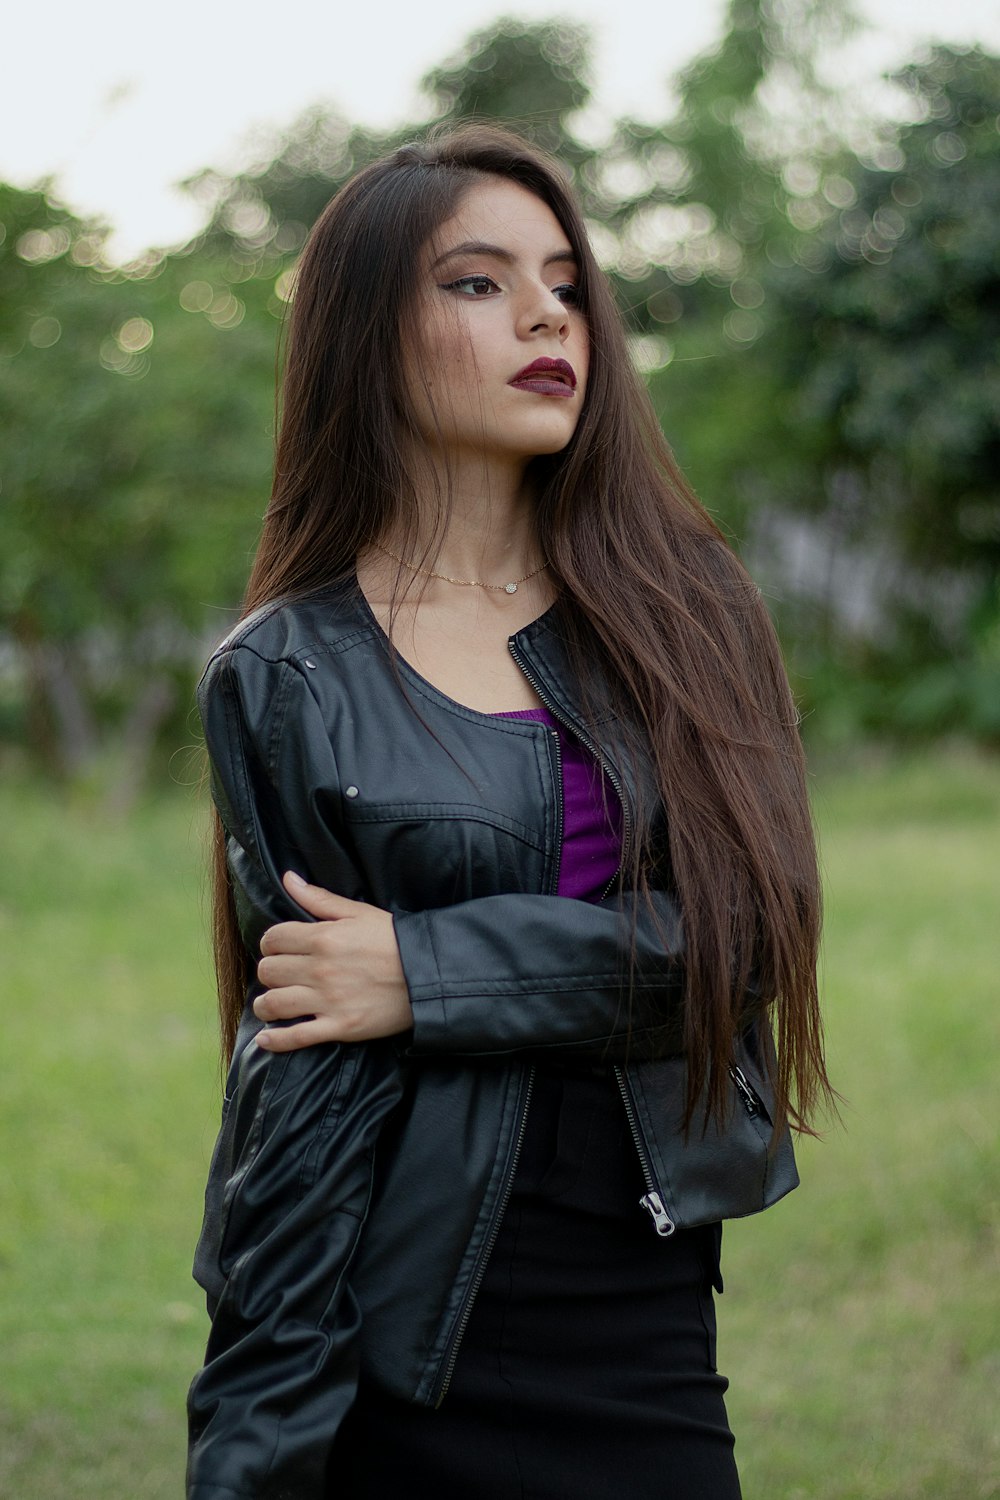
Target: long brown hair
<point x="646" y="581"/>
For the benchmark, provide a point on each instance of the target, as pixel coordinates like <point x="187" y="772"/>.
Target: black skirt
<point x="587" y="1370"/>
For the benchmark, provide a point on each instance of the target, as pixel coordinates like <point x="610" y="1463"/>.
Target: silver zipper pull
<point x="662" y="1222"/>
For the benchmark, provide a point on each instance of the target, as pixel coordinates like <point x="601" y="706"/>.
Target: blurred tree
<point x="526" y="74"/>
<point x="895" y="359"/>
<point x="706" y="205"/>
<point x="267" y="210"/>
<point x="722" y="155"/>
<point x="533" y="77"/>
<point x="817" y="330"/>
<point x="64" y="443"/>
<point x="892" y="396"/>
<point x="135" y="429"/>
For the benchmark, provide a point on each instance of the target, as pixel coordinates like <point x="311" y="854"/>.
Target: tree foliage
<point x="137" y="427"/>
<point x="896" y="359"/>
<point x="535" y="77"/>
<point x="819" y="328"/>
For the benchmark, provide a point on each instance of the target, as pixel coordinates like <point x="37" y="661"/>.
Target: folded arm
<point x="500" y="973"/>
<point x="520" y="972"/>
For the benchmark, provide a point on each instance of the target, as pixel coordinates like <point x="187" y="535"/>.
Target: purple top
<point x="592" y="815"/>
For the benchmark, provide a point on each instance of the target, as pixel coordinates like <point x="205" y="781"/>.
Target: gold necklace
<point x="464" y="583"/>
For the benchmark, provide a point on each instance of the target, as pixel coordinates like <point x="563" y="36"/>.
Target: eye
<point x="472" y="286"/>
<point x="568" y="293"/>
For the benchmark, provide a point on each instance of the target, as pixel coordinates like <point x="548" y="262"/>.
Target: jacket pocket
<point x="716" y="1170"/>
<point x="441" y="853"/>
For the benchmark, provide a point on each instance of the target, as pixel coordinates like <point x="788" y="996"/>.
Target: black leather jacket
<point x="355" y="1191"/>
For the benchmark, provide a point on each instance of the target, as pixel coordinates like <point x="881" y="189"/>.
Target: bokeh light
<point x="45" y="332"/>
<point x="37" y="246"/>
<point x="134" y="335"/>
<point x="196" y="296"/>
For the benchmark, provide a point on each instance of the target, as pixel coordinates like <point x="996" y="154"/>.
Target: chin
<point x="541" y="440"/>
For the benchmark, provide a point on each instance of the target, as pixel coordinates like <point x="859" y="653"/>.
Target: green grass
<point x="107" y="1112"/>
<point x="860" y="1320"/>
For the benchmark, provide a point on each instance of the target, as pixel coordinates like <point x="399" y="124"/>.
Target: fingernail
<point x="263" y="1041"/>
<point x="294" y="879"/>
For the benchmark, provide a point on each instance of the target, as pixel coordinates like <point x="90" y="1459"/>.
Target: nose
<point x="546" y="313"/>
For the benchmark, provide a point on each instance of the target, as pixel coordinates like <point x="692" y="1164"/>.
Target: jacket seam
<point x="234" y="726"/>
<point x="549" y="984"/>
<point x="237" y="637"/>
<point x="231" y="646"/>
<point x="278" y="722"/>
<point x="389" y="812"/>
<point x="276" y="1067"/>
<point x="348" y="1066"/>
<point x="518" y="729"/>
<point x="429" y="927"/>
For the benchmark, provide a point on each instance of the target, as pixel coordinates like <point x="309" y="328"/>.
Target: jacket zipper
<point x="751" y="1099"/>
<point x="651" y="1200"/>
<point x="491" y="1239"/>
<point x="584" y="739"/>
<point x="508" y="1186"/>
<point x="560" y="811"/>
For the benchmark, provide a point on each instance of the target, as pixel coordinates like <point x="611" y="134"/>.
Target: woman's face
<point x="500" y="369"/>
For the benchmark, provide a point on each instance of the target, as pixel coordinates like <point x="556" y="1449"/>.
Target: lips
<point x="546" y="377"/>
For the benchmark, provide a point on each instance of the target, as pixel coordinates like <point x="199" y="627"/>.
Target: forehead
<point x="504" y="214"/>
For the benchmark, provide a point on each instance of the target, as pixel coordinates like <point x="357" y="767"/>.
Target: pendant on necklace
<point x="510" y="588"/>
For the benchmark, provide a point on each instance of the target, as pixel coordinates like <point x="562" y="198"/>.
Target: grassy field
<point x="861" y="1320"/>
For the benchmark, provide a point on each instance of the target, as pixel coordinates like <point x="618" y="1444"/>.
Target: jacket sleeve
<point x="533" y="972"/>
<point x="291" y="1175"/>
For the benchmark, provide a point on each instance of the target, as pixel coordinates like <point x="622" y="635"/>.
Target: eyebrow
<point x="481" y="247"/>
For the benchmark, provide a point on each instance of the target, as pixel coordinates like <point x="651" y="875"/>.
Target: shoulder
<point x="270" y="660"/>
<point x="287" y="630"/>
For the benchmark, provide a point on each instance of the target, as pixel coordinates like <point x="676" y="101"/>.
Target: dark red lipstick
<point x="546" y="377"/>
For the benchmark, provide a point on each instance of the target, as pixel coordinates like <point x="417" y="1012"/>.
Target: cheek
<point x="448" y="363"/>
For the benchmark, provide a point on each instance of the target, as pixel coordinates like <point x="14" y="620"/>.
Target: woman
<point x="503" y="707"/>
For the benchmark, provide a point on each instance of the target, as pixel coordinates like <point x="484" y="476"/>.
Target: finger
<point x="285" y="1004"/>
<point x="289" y="937"/>
<point x="279" y="970"/>
<point x="292" y="1038"/>
<point x="318" y="901"/>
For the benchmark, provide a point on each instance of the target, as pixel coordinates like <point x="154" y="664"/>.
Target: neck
<point x="475" y="521"/>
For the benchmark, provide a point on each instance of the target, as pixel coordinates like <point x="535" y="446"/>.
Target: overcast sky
<point x="119" y="101"/>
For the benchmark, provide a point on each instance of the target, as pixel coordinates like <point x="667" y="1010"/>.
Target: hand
<point x="342" y="971"/>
